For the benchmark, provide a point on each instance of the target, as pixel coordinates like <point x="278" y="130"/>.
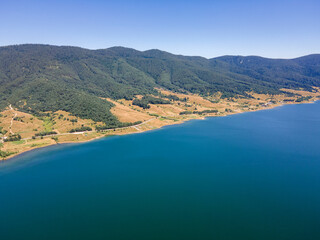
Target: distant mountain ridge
<point x="38" y="78"/>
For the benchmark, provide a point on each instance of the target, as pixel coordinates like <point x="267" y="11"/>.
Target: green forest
<point x="40" y="78"/>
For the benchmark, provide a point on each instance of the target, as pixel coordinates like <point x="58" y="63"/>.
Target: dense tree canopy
<point x="39" y="78"/>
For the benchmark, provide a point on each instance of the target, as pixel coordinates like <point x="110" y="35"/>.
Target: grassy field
<point x="48" y="124"/>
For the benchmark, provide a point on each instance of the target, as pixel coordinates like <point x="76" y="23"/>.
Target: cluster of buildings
<point x="267" y="104"/>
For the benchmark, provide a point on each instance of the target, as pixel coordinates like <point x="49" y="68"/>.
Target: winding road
<point x="61" y="134"/>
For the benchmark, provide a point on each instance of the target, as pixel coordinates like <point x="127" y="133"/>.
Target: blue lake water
<point x="247" y="176"/>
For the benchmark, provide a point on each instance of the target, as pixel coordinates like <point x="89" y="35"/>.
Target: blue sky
<point x="277" y="29"/>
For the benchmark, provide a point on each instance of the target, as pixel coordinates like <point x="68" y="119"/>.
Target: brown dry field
<point x="155" y="117"/>
<point x="126" y="114"/>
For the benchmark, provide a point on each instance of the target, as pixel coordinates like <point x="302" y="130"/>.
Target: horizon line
<point x="156" y="49"/>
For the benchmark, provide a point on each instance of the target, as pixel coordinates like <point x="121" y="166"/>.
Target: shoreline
<point x="17" y="155"/>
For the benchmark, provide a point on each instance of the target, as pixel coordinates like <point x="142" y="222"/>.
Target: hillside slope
<point x="40" y="78"/>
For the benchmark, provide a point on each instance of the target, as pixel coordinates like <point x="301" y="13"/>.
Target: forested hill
<point x="38" y="78"/>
